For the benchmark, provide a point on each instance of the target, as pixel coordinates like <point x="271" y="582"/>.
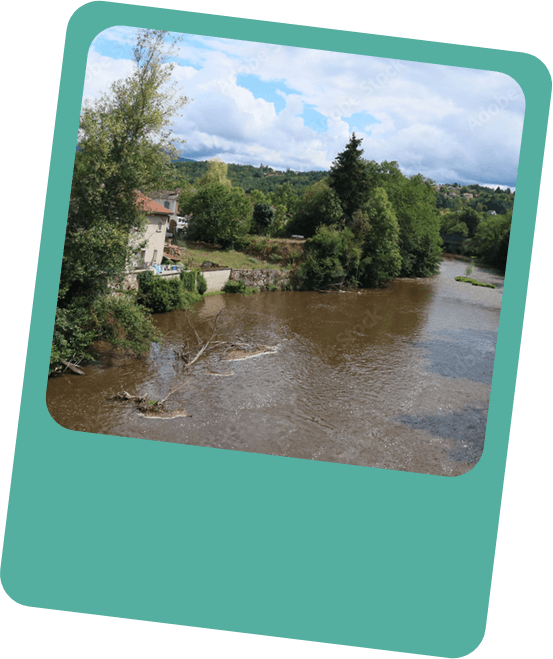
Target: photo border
<point x="246" y="542"/>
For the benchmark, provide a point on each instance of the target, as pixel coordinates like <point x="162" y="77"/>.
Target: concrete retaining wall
<point x="216" y="279"/>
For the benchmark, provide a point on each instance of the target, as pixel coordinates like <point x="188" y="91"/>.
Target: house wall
<point x="173" y="206"/>
<point x="155" y="237"/>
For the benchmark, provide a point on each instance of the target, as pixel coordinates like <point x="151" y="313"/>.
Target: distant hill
<point x="251" y="178"/>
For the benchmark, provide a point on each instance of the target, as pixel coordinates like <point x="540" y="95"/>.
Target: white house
<point x="169" y="199"/>
<point x="154" y="234"/>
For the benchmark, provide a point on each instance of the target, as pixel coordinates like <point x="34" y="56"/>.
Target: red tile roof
<point x="148" y="205"/>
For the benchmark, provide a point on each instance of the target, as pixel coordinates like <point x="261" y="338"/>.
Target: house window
<point x="159" y="224"/>
<point x="166" y="204"/>
<point x="154" y="257"/>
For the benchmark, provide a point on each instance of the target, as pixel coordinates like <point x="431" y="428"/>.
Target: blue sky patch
<point x="360" y="121"/>
<point x="314" y="119"/>
<point x="265" y="90"/>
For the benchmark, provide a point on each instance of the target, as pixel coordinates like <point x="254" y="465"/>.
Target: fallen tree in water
<point x="189" y="356"/>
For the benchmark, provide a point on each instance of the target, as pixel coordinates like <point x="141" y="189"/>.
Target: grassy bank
<point x="474" y="282"/>
<point x="252" y="253"/>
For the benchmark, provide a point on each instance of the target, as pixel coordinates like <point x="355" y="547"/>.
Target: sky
<point x="288" y="107"/>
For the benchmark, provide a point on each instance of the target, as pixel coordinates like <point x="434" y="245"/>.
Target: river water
<point x="397" y="378"/>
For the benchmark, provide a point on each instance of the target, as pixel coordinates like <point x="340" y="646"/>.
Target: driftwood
<point x="191" y="356"/>
<point x="153" y="406"/>
<point x="72" y="367"/>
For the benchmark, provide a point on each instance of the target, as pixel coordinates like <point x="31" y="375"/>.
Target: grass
<point x="197" y="253"/>
<point x="474" y="282"/>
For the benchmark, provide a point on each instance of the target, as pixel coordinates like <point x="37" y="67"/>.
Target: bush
<point x="201" y="283"/>
<point x="234" y="287"/>
<point x="239" y="287"/>
<point x="188" y="278"/>
<point x="331" y="257"/>
<point x="117" y="319"/>
<point x="158" y="294"/>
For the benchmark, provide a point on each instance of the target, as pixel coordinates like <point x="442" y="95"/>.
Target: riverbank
<point x="253" y="253"/>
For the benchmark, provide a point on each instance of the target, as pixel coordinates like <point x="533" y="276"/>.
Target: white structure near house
<point x="154" y="234"/>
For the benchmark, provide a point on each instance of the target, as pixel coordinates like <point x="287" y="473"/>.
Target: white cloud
<point x="446" y="122"/>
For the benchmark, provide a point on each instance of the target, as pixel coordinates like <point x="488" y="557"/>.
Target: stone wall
<point x="261" y="278"/>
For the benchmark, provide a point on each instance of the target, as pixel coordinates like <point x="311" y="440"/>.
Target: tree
<point x="263" y="216"/>
<point x="318" y="205"/>
<point x="217" y="173"/>
<point x="471" y="218"/>
<point x="124" y="144"/>
<point x="349" y="179"/>
<point x="414" y="202"/>
<point x="491" y="241"/>
<point x="381" y="258"/>
<point x="220" y="214"/>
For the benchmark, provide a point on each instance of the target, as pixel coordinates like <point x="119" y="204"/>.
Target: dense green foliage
<point x="239" y="287"/>
<point x="319" y="205"/>
<point x="413" y="200"/>
<point x="263" y="217"/>
<point x="124" y="145"/>
<point x="251" y="178"/>
<point x="220" y="214"/>
<point x="381" y="258"/>
<point x="491" y="241"/>
<point x="332" y="257"/>
<point x="349" y="178"/>
<point x="188" y="279"/>
<point x="159" y="294"/>
<point x="117" y="320"/>
<point x="201" y="284"/>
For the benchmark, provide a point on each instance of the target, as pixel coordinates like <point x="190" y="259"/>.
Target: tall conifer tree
<point x="349" y="178"/>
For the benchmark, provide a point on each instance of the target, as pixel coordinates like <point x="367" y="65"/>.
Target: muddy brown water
<point x="397" y="378"/>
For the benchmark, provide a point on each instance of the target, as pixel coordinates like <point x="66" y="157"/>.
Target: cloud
<point x="295" y="107"/>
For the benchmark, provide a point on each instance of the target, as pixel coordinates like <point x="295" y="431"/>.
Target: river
<point x="397" y="378"/>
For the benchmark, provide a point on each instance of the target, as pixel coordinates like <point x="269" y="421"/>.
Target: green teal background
<point x="252" y="543"/>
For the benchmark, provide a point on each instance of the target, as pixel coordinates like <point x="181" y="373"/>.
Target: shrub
<point x="239" y="287"/>
<point x="188" y="278"/>
<point x="117" y="319"/>
<point x="158" y="294"/>
<point x="331" y="257"/>
<point x="234" y="287"/>
<point x="201" y="283"/>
